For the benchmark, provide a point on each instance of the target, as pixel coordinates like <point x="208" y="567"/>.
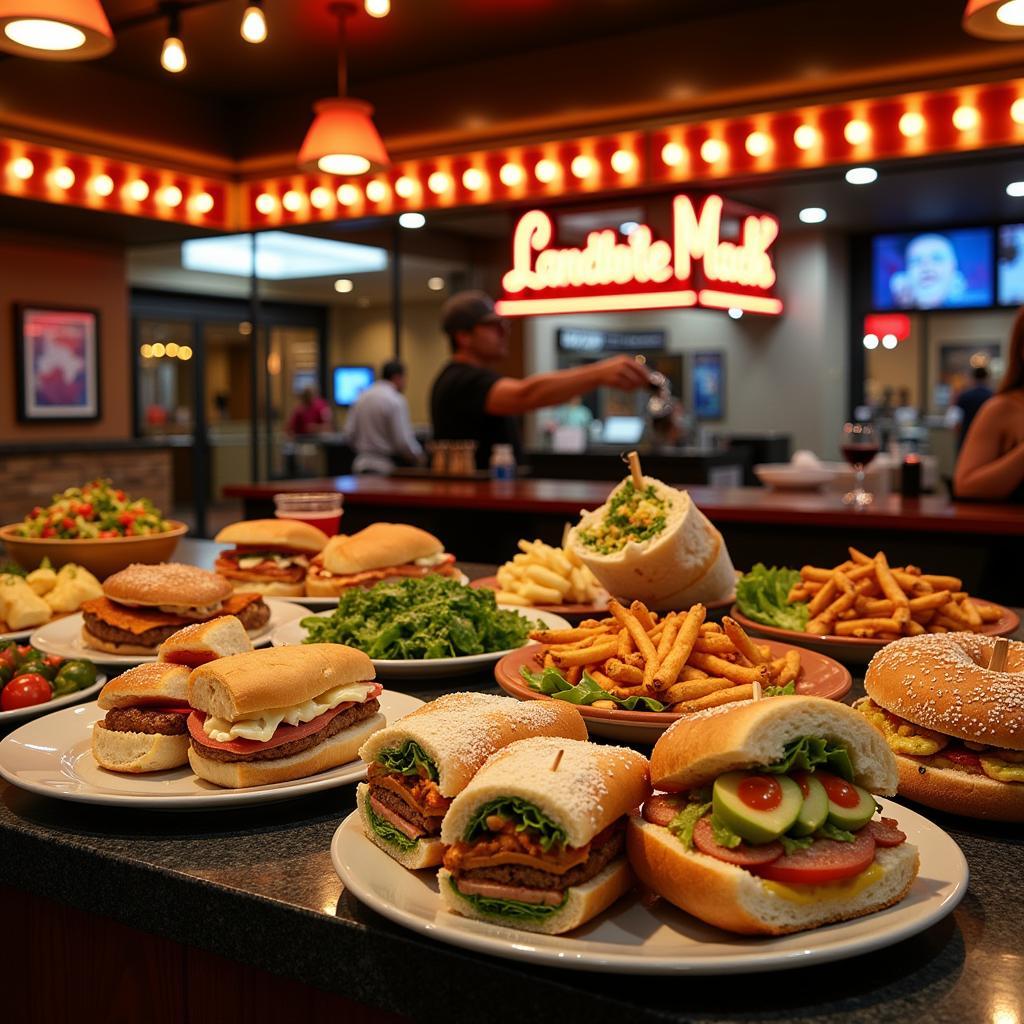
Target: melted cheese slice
<point x="262" y="727"/>
<point x="846" y="889"/>
<point x="431" y="560"/>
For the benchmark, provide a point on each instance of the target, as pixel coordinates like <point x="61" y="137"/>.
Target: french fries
<point x="541" y="574"/>
<point x="679" y="659"/>
<point x="865" y="597"/>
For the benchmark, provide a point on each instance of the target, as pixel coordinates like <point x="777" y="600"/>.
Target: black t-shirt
<point x="969" y="402"/>
<point x="457" y="403"/>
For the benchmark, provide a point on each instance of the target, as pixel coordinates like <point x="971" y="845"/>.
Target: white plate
<point x="64" y="636"/>
<point x="21" y="714"/>
<point x="320" y="603"/>
<point x="52" y="756"/>
<point x="18" y="634"/>
<point x="629" y="938"/>
<point x="784" y="476"/>
<point x="293" y="633"/>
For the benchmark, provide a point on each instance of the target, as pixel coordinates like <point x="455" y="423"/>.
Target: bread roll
<point x="273" y="535"/>
<point x="146" y="684"/>
<point x="205" y="641"/>
<point x="379" y="546"/>
<point x="137" y="752"/>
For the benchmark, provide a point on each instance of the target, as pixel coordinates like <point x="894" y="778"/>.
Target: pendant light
<point x="254" y="23"/>
<point x="995" y="19"/>
<point x="55" y="29"/>
<point x="343" y="138"/>
<point x="172" y="54"/>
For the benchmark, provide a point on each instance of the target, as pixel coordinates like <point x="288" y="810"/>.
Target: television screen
<point x="350" y="382"/>
<point x="933" y="269"/>
<point x="1011" y="265"/>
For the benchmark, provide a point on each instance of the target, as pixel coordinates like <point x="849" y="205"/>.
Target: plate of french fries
<point x="858" y="606"/>
<point x="633" y="672"/>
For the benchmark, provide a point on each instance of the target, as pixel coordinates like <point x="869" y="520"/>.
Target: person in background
<point x="969" y="401"/>
<point x="990" y="466"/>
<point x="378" y="426"/>
<point x="470" y="400"/>
<point x="310" y="416"/>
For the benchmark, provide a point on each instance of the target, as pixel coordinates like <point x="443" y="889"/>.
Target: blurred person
<point x="970" y="400"/>
<point x="990" y="466"/>
<point x="931" y="277"/>
<point x="311" y="416"/>
<point x="378" y="426"/>
<point x="470" y="400"/>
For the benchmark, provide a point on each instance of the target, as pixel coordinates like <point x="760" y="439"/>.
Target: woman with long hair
<point x="991" y="462"/>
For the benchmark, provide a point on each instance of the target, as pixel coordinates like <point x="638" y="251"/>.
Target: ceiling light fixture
<point x="812" y="215"/>
<point x="55" y="29"/>
<point x="1015" y="189"/>
<point x="22" y="168"/>
<point x="473" y="179"/>
<point x="412" y="220"/>
<point x="861" y="175"/>
<point x="343" y="285"/>
<point x="172" y="55"/>
<point x="377" y="8"/>
<point x="995" y="19"/>
<point x="254" y="23"/>
<point x="343" y="138"/>
<point x="545" y="171"/>
<point x="806" y="136"/>
<point x="965" y="118"/>
<point x="435" y="284"/>
<point x="672" y="154"/>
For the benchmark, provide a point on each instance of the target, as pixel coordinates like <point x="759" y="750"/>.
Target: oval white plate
<point x="320" y="603"/>
<point x="22" y="714"/>
<point x="52" y="756"/>
<point x="293" y="633"/>
<point x="64" y="637"/>
<point x="629" y="938"/>
<point x="784" y="476"/>
<point x="18" y="634"/>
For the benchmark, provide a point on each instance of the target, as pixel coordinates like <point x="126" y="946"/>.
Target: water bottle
<point x="503" y="462"/>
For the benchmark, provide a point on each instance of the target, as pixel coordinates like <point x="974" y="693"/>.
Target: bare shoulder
<point x="1003" y="407"/>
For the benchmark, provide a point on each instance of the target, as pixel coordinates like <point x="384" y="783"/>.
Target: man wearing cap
<point x="471" y="400"/>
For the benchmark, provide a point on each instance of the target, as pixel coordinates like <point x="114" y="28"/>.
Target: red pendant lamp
<point x="995" y="19"/>
<point x="55" y="29"/>
<point x="343" y="138"/>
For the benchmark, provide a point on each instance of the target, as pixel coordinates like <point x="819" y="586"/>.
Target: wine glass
<point x="859" y="445"/>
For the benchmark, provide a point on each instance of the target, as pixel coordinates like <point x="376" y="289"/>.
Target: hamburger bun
<point x="274" y="535"/>
<point x="427" y="852"/>
<point x="205" y="641"/>
<point x="169" y="586"/>
<point x="379" y="546"/>
<point x="137" y="752"/>
<point x="146" y="684"/>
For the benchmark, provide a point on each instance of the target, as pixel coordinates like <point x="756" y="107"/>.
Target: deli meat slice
<point x="549" y="897"/>
<point x="885" y="832"/>
<point x="405" y="827"/>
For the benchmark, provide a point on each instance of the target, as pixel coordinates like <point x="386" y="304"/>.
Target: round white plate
<point x="293" y="633"/>
<point x="18" y="634"/>
<point x="320" y="603"/>
<point x="52" y="756"/>
<point x="64" y="636"/>
<point x="630" y="938"/>
<point x="22" y="714"/>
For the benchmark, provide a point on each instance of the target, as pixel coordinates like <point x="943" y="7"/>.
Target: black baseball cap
<point x="464" y="310"/>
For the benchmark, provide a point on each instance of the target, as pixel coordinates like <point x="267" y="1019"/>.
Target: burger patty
<point x="342" y="720"/>
<point x="253" y="616"/>
<point x="167" y="723"/>
<point x="532" y="878"/>
<point x="393" y="802"/>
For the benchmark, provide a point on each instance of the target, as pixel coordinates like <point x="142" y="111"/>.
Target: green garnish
<point x="524" y="814"/>
<point x="388" y="832"/>
<point x="586" y="691"/>
<point x="97" y="510"/>
<point x="779" y="691"/>
<point x="793" y="844"/>
<point x="810" y="752"/>
<point x="724" y="835"/>
<point x="830" y="831"/>
<point x="762" y="595"/>
<point x="682" y="825"/>
<point x="408" y="759"/>
<point x="632" y="516"/>
<point x="414" y="619"/>
<point x="509" y="909"/>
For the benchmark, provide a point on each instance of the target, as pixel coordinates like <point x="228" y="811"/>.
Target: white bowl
<point x="784" y="476"/>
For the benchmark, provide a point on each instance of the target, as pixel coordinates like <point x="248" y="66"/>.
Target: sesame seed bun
<point x="170" y="586"/>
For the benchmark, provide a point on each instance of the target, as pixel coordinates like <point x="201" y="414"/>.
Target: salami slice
<point x="885" y="832"/>
<point x="661" y="808"/>
<point x="825" y="860"/>
<point x="745" y="855"/>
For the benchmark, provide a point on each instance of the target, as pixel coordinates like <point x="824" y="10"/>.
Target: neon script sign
<point x="611" y="272"/>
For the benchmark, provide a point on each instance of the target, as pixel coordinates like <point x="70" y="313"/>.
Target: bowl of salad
<point x="98" y="526"/>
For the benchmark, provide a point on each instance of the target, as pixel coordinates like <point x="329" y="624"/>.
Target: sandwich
<point x="766" y="824"/>
<point x="654" y="545"/>
<point x="145" y="604"/>
<point x="419" y="764"/>
<point x="270" y="556"/>
<point x="537" y="840"/>
<point x="954" y="722"/>
<point x="281" y="713"/>
<point x="381" y="551"/>
<point x="146" y="725"/>
<point x="205" y="641"/>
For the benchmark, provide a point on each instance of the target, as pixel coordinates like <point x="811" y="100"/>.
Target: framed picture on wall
<point x="57" y="363"/>
<point x="708" y="376"/>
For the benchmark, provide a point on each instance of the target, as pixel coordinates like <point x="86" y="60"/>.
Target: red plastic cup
<point x="320" y="510"/>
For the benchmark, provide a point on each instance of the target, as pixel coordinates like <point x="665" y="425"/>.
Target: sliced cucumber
<point x="815" y="806"/>
<point x="849" y="807"/>
<point x="732" y="805"/>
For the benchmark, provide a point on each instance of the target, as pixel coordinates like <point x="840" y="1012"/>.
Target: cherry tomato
<point x="9" y="656"/>
<point x="53" y="661"/>
<point x="48" y="531"/>
<point x="126" y="518"/>
<point x="24" y="692"/>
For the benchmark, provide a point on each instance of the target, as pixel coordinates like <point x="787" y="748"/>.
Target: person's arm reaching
<point x="981" y="472"/>
<point x="511" y="397"/>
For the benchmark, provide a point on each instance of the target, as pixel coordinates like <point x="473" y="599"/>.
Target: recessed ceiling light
<point x="1015" y="189"/>
<point x="812" y="215"/>
<point x="280" y="255"/>
<point x="735" y="312"/>
<point x="435" y="284"/>
<point x="343" y="285"/>
<point x="412" y="220"/>
<point x="861" y="175"/>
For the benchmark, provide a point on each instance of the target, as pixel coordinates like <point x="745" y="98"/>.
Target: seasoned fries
<point x="865" y="597"/>
<point x="541" y="574"/>
<point x="678" y="659"/>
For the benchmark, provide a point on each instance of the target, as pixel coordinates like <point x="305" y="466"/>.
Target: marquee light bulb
<point x="889" y="341"/>
<point x="63" y="177"/>
<point x="545" y="171"/>
<point x="254" y="23"/>
<point x="672" y="154"/>
<point x="405" y="187"/>
<point x="857" y="132"/>
<point x="377" y="8"/>
<point x="870" y="341"/>
<point x="185" y="353"/>
<point x="1017" y="111"/>
<point x="965" y="118"/>
<point x="146" y="351"/>
<point x="473" y="179"/>
<point x="758" y="143"/>
<point x="170" y="196"/>
<point x="712" y="150"/>
<point x="265" y="204"/>
<point x="911" y="124"/>
<point x="623" y="161"/>
<point x="439" y="183"/>
<point x="201" y="202"/>
<point x="159" y="350"/>
<point x="376" y="191"/>
<point x="172" y="348"/>
<point x="348" y="194"/>
<point x="291" y="201"/>
<point x="102" y="185"/>
<point x="320" y="197"/>
<point x="1015" y="189"/>
<point x="806" y="137"/>
<point x="583" y="166"/>
<point x="172" y="56"/>
<point x="511" y="175"/>
<point x="137" y="190"/>
<point x="22" y="168"/>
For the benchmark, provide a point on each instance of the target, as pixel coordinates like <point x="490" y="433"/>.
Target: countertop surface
<point x="258" y="886"/>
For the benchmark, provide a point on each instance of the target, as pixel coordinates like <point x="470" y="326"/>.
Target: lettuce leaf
<point x="526" y="816"/>
<point x="408" y="759"/>
<point x="682" y="825"/>
<point x="830" y="831"/>
<point x="762" y="596"/>
<point x="779" y="691"/>
<point x="810" y="752"/>
<point x="509" y="910"/>
<point x="552" y="683"/>
<point x="388" y="832"/>
<point x="724" y="835"/>
<point x="792" y="844"/>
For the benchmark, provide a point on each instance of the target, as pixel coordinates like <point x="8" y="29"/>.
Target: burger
<point x="205" y="641"/>
<point x="281" y="713"/>
<point x="146" y="725"/>
<point x="380" y="552"/>
<point x="766" y="823"/>
<point x="537" y="840"/>
<point x="955" y="725"/>
<point x="143" y="605"/>
<point x="271" y="556"/>
<point x="419" y="764"/>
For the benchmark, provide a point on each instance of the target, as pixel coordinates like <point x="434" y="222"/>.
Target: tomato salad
<point x="95" y="511"/>
<point x="28" y="677"/>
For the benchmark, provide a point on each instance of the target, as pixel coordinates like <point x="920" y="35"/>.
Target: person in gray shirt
<point x="378" y="427"/>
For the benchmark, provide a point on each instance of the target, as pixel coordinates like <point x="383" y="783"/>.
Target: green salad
<point x="419" y="619"/>
<point x="762" y="595"/>
<point x="94" y="511"/>
<point x="632" y="516"/>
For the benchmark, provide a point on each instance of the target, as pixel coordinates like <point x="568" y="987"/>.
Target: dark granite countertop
<point x="257" y="885"/>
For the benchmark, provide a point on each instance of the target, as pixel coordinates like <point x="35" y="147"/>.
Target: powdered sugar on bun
<point x="167" y="584"/>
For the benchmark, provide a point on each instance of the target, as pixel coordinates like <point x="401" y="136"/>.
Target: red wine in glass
<point x="859" y="454"/>
<point x="859" y="444"/>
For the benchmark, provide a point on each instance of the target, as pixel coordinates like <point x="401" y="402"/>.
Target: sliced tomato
<point x="746" y="855"/>
<point x="825" y="860"/>
<point x="885" y="832"/>
<point x="283" y="734"/>
<point x="661" y="808"/>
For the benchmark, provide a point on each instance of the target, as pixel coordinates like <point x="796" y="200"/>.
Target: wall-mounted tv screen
<point x="949" y="269"/>
<point x="350" y="382"/>
<point x="1010" y="267"/>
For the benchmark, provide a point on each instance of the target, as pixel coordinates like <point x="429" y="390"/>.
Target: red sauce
<point x="760" y="792"/>
<point x="839" y="791"/>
